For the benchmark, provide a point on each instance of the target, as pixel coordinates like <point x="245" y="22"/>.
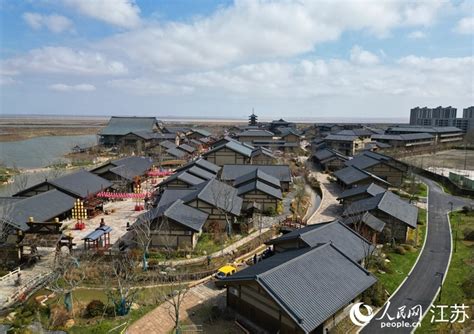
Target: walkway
<point x="329" y="207"/>
<point x="28" y="276"/>
<point x="422" y="284"/>
<point x="159" y="320"/>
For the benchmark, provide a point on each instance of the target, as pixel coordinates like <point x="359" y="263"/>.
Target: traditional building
<point x="118" y="127"/>
<point x="263" y="156"/>
<point x="308" y="290"/>
<point x="329" y="160"/>
<point x="441" y="134"/>
<point x="364" y="191"/>
<point x="260" y="188"/>
<point x="253" y="120"/>
<point x="231" y="153"/>
<point x="346" y="144"/>
<point x="172" y="225"/>
<point x="351" y="177"/>
<point x="355" y="246"/>
<point x="397" y="215"/>
<point x="198" y="134"/>
<point x="406" y="141"/>
<point x="281" y="172"/>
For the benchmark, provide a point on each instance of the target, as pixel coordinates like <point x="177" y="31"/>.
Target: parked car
<point x="225" y="271"/>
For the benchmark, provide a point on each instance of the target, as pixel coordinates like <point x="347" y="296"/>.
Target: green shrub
<point x="95" y="308"/>
<point x="399" y="250"/>
<point x="468" y="234"/>
<point x="468" y="287"/>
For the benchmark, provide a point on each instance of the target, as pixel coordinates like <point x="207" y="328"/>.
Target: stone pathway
<point x="329" y="208"/>
<point x="160" y="321"/>
<point x="28" y="276"/>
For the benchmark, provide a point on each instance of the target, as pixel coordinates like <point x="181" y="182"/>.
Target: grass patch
<point x="399" y="264"/>
<point x="460" y="271"/>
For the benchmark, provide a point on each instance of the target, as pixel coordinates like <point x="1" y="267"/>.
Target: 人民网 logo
<point x="357" y="317"/>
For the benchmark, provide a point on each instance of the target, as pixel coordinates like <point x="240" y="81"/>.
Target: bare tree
<point x="300" y="194"/>
<point x="355" y="218"/>
<point x="67" y="273"/>
<point x="223" y="196"/>
<point x="6" y="221"/>
<point x="122" y="277"/>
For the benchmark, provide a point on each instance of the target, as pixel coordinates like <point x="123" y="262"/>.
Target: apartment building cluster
<point x="443" y="117"/>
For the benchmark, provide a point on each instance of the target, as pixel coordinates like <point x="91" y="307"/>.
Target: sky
<point x="202" y="58"/>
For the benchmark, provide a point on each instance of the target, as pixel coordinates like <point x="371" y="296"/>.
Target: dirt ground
<point x="452" y="159"/>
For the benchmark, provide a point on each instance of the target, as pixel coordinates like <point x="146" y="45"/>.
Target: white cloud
<point x="63" y="60"/>
<point x="411" y="76"/>
<point x="149" y="86"/>
<point x="465" y="25"/>
<point x="417" y="34"/>
<point x="60" y="87"/>
<point x="259" y="30"/>
<point x="121" y="13"/>
<point x="54" y="22"/>
<point x="363" y="57"/>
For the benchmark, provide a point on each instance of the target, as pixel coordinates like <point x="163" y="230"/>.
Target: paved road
<point x="421" y="286"/>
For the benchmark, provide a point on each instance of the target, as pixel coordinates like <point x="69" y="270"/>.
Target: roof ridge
<point x="354" y="232"/>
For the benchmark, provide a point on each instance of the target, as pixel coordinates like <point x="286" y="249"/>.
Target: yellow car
<point x="225" y="271"/>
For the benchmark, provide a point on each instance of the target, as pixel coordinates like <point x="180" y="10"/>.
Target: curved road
<point x="423" y="282"/>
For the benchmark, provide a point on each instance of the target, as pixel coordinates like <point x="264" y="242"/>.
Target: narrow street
<point x="421" y="286"/>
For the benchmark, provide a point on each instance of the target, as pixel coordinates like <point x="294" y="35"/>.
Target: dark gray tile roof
<point x="176" y="129"/>
<point x="186" y="148"/>
<point x="81" y="183"/>
<point x="171" y="194"/>
<point x="389" y="203"/>
<point x="235" y="146"/>
<point x="371" y="189"/>
<point x="327" y="153"/>
<point x="42" y="207"/>
<point x="350" y="175"/>
<point x="280" y="172"/>
<point x="362" y="161"/>
<point x="341" y="138"/>
<point x="355" y="132"/>
<point x="201" y="173"/>
<point x="404" y="137"/>
<point x="256" y="133"/>
<point x="201" y="163"/>
<point x="258" y="185"/>
<point x="427" y="129"/>
<point x="202" y="132"/>
<point x="261" y="150"/>
<point x="183" y="176"/>
<point x="347" y="240"/>
<point x="168" y="144"/>
<point x="124" y="125"/>
<point x="131" y="167"/>
<point x="219" y="194"/>
<point x="284" y="131"/>
<point x="176" y="153"/>
<point x="373" y="222"/>
<point x="257" y="174"/>
<point x="310" y="285"/>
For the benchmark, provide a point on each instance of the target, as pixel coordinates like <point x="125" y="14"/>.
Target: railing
<point x="10" y="274"/>
<point x="26" y="290"/>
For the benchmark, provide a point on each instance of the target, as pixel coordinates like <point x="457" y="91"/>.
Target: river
<point x="41" y="151"/>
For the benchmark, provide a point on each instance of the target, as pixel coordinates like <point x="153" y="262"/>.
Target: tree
<point x="67" y="273"/>
<point x="354" y="218"/>
<point x="223" y="197"/>
<point x="123" y="276"/>
<point x="6" y="221"/>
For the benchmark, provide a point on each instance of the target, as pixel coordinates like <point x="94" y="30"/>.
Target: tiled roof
<point x="347" y="240"/>
<point x="427" y="129"/>
<point x="341" y="138"/>
<point x="352" y="174"/>
<point x="201" y="173"/>
<point x="42" y="207"/>
<point x="368" y="219"/>
<point x="168" y="144"/>
<point x="235" y="146"/>
<point x="131" y="167"/>
<point x="257" y="174"/>
<point x="81" y="183"/>
<point x="218" y="194"/>
<point x="176" y="152"/>
<point x="261" y="186"/>
<point x="389" y="203"/>
<point x="280" y="172"/>
<point x="183" y="176"/>
<point x="355" y="132"/>
<point x="256" y="133"/>
<point x="371" y="189"/>
<point x="309" y="284"/>
<point x="202" y="132"/>
<point x="186" y="148"/>
<point x="201" y="163"/>
<point x="123" y="125"/>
